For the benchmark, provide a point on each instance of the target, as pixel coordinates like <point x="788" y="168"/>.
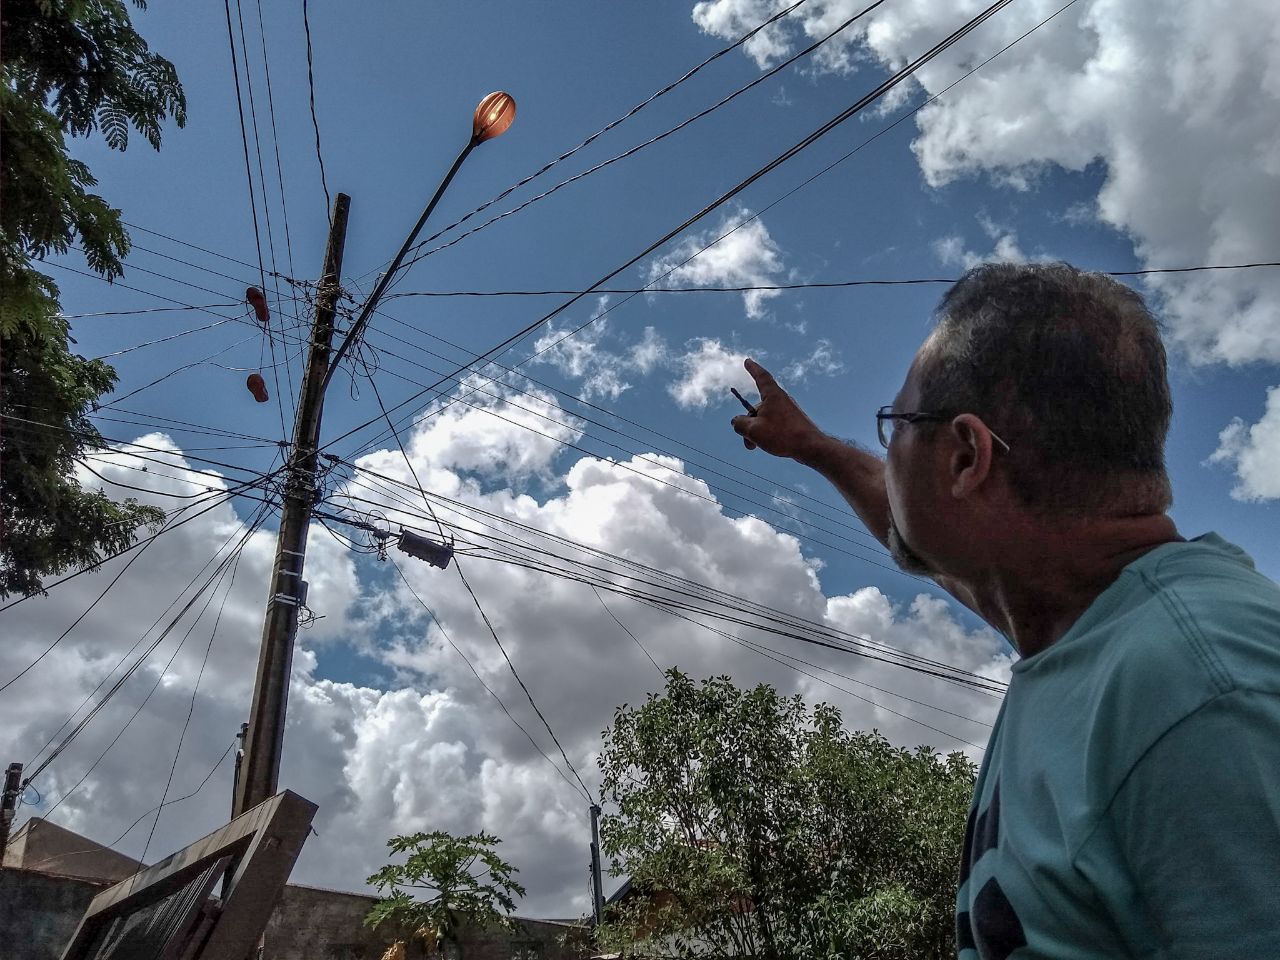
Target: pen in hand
<point x="751" y="410"/>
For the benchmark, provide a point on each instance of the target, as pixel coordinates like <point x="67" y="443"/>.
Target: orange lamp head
<point x="493" y="116"/>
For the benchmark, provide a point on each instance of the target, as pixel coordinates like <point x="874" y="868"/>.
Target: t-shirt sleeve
<point x="1198" y="823"/>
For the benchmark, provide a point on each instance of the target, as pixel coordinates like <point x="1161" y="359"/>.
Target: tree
<point x="469" y="885"/>
<point x="69" y="67"/>
<point x="753" y="826"/>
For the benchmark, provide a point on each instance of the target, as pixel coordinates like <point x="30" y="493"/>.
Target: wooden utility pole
<point x="597" y="881"/>
<point x="9" y="803"/>
<point x="260" y="771"/>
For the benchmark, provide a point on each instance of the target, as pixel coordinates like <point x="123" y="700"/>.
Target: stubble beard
<point x="906" y="558"/>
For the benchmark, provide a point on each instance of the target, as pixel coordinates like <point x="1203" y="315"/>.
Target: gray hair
<point x="1066" y="366"/>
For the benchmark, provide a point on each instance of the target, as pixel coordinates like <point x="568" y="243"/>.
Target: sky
<point x="1117" y="136"/>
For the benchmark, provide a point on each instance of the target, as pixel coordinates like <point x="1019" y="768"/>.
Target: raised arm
<point x="781" y="428"/>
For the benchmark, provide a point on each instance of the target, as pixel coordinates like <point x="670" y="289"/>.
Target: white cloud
<point x="951" y="250"/>
<point x="430" y="749"/>
<point x="708" y="370"/>
<point x="745" y="256"/>
<point x="1254" y="452"/>
<point x="823" y="361"/>
<point x="602" y="371"/>
<point x="1177" y="108"/>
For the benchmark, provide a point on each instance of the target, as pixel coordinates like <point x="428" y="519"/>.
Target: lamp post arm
<point x="371" y="304"/>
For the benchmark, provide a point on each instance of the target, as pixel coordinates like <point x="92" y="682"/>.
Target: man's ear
<point x="970" y="462"/>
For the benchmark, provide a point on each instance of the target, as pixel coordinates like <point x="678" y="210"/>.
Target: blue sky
<point x="1080" y="144"/>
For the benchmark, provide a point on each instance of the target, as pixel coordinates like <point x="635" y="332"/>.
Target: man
<point x="1128" y="803"/>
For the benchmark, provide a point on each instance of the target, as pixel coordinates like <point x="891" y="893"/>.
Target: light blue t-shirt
<point x="1129" y="801"/>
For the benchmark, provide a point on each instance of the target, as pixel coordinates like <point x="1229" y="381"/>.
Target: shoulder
<point x="1191" y="625"/>
<point x="1223" y="610"/>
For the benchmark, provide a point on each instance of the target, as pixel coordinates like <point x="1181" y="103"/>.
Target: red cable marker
<point x="258" y="301"/>
<point x="258" y="387"/>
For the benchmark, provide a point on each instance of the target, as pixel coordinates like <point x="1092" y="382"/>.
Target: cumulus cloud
<point x="602" y="370"/>
<point x="428" y="748"/>
<point x="740" y="253"/>
<point x="708" y="369"/>
<point x="1254" y="451"/>
<point x="822" y="361"/>
<point x="1176" y="109"/>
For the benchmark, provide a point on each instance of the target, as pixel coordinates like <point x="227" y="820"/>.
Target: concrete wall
<point x="49" y="848"/>
<point x="315" y="924"/>
<point x="39" y="912"/>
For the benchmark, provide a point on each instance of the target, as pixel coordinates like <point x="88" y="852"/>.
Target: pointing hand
<point x="778" y="426"/>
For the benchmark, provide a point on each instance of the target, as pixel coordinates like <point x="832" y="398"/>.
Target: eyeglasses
<point x="885" y="415"/>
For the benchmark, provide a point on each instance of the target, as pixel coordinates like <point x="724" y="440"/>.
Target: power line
<point x="497" y="382"/>
<point x="791" y="491"/>
<point x="185" y="243"/>
<point x="665" y="605"/>
<point x="779" y="287"/>
<point x="494" y="633"/>
<point x="458" y="566"/>
<point x="137" y="643"/>
<point x="603" y="130"/>
<point x="627" y="631"/>
<point x="458" y="650"/>
<point x="315" y="124"/>
<point x="75" y="731"/>
<point x="244" y="140"/>
<point x="647" y="143"/>
<point x="764" y="651"/>
<point x="684" y="586"/>
<point x="682" y="488"/>
<point x="884" y="87"/>
<point x="152" y="343"/>
<point x="191" y="707"/>
<point x="169" y="803"/>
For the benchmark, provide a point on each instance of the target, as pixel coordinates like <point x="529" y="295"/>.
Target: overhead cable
<point x="640" y="146"/>
<point x="880" y="90"/>
<point x="785" y="11"/>
<point x="816" y="285"/>
<point x="458" y="650"/>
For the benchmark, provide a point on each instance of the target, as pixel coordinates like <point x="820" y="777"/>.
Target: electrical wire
<point x="529" y="696"/>
<point x="218" y="575"/>
<point x="185" y="243"/>
<point x="690" y="588"/>
<point x="799" y="186"/>
<point x="723" y="51"/>
<point x="244" y="140"/>
<point x="782" y="287"/>
<point x="190" y="584"/>
<point x="266" y="212"/>
<point x="168" y="803"/>
<point x="640" y="146"/>
<point x="879" y="706"/>
<point x="862" y="103"/>
<point x="627" y="631"/>
<point x="501" y="379"/>
<point x="191" y="707"/>
<point x="152" y="343"/>
<point x="458" y="650"/>
<point x="836" y="518"/>
<point x="315" y="124"/>
<point x="685" y="489"/>
<point x="130" y="313"/>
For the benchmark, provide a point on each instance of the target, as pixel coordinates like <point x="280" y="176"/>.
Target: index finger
<point x="763" y="378"/>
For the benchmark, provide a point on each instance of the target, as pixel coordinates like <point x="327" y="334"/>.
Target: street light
<point x="494" y="115"/>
